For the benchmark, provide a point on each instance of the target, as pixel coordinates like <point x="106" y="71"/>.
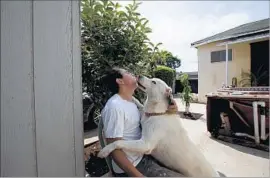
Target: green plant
<point x="166" y="74"/>
<point x="111" y="36"/>
<point x="186" y="94"/>
<point x="249" y="79"/>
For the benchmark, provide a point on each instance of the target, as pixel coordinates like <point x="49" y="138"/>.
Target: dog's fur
<point x="163" y="136"/>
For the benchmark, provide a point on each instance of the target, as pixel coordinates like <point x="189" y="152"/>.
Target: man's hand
<point x="173" y="106"/>
<point x="121" y="160"/>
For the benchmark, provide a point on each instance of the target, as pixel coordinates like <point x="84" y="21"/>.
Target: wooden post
<point x="41" y="101"/>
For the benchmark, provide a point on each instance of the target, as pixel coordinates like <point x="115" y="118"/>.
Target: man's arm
<point x="121" y="160"/>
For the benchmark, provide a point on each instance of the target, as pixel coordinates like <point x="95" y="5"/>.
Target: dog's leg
<point x="145" y="145"/>
<point x="131" y="145"/>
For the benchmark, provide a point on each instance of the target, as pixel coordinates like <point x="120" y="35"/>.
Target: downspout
<point x="226" y="66"/>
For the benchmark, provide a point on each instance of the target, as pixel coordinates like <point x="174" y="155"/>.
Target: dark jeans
<point x="150" y="167"/>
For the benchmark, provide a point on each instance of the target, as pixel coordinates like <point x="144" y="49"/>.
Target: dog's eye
<point x="154" y="82"/>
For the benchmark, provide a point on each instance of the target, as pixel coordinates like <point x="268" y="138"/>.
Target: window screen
<point x="220" y="56"/>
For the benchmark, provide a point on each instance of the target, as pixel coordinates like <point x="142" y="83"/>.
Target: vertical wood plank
<point x="77" y="86"/>
<point x="54" y="88"/>
<point x="0" y="89"/>
<point x="18" y="153"/>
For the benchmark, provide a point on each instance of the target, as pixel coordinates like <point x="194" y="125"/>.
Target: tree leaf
<point x="113" y="37"/>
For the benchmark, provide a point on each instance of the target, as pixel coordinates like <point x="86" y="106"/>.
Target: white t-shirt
<point x="121" y="118"/>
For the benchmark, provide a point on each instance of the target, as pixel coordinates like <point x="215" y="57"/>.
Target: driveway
<point x="229" y="159"/>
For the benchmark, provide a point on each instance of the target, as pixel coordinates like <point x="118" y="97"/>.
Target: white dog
<point x="163" y="135"/>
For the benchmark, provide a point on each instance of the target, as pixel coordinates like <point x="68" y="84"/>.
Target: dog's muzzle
<point x="140" y="78"/>
<point x="141" y="86"/>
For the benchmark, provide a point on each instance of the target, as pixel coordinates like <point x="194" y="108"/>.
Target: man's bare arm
<point x="121" y="160"/>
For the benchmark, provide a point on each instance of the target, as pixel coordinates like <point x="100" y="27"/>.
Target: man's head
<point x="118" y="79"/>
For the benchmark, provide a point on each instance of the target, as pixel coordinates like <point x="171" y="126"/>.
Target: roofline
<point x="194" y="45"/>
<point x="264" y="36"/>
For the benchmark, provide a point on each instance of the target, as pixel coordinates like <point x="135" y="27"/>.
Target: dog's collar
<point x="147" y="114"/>
<point x="154" y="114"/>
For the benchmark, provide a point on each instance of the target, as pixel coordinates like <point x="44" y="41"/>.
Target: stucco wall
<point x="212" y="75"/>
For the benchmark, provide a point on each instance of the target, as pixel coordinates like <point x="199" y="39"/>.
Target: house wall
<point x="212" y="75"/>
<point x="41" y="102"/>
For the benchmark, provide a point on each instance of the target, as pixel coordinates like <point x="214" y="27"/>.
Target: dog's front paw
<point x="103" y="154"/>
<point x="148" y="152"/>
<point x="105" y="151"/>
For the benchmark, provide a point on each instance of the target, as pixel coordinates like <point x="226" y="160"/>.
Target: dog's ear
<point x="169" y="96"/>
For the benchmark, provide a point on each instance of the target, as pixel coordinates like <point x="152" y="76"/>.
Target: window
<point x="220" y="56"/>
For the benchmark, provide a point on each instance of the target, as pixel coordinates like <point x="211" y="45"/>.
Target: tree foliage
<point x="173" y="62"/>
<point x="113" y="36"/>
<point x="168" y="59"/>
<point x="166" y="74"/>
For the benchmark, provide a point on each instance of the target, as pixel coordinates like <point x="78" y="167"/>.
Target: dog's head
<point x="156" y="89"/>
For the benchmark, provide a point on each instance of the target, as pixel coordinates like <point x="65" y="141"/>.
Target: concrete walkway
<point x="229" y="159"/>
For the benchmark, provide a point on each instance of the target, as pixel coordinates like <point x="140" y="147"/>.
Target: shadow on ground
<point x="247" y="150"/>
<point x="221" y="174"/>
<point x="193" y="116"/>
<point x="94" y="166"/>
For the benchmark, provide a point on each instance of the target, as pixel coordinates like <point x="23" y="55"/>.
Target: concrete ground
<point x="230" y="159"/>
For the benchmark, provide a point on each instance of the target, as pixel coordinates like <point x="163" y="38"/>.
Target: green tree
<point x="173" y="62"/>
<point x="112" y="36"/>
<point x="152" y="62"/>
<point x="168" y="59"/>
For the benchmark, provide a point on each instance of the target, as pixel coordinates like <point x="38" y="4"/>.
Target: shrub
<point x="166" y="74"/>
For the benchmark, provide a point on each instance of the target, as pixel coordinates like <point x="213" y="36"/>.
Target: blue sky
<point x="179" y="23"/>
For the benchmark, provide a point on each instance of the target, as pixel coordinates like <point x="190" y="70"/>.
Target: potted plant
<point x="186" y="93"/>
<point x="249" y="79"/>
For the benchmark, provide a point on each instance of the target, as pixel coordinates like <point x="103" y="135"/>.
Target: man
<point x="121" y="119"/>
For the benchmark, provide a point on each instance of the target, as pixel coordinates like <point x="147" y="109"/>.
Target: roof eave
<point x="194" y="45"/>
<point x="243" y="40"/>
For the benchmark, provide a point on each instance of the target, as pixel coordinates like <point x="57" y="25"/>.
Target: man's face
<point x="128" y="80"/>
